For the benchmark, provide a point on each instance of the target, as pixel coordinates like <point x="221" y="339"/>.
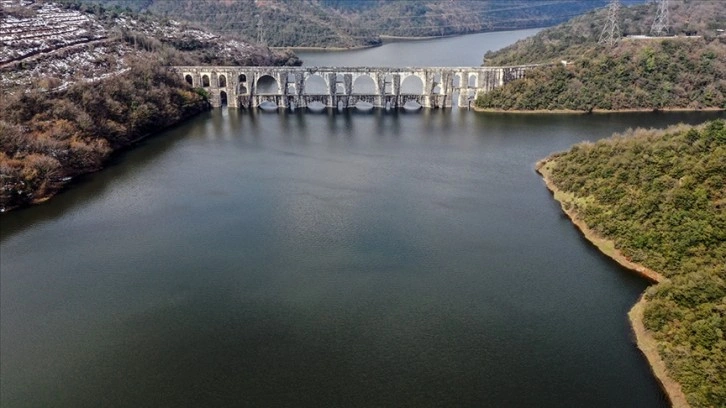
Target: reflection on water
<point x="354" y="259"/>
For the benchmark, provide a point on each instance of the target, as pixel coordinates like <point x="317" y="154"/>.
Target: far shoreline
<point x="644" y="340"/>
<point x="327" y="49"/>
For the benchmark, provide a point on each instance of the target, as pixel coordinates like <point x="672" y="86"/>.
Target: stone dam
<point x="347" y="87"/>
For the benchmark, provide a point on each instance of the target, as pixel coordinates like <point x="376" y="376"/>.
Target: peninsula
<point x="653" y="200"/>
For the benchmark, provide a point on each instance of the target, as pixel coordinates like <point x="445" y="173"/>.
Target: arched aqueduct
<point x="299" y="87"/>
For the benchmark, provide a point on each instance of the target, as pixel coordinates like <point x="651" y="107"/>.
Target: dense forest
<point x="660" y="196"/>
<point x="686" y="72"/>
<point x="351" y="23"/>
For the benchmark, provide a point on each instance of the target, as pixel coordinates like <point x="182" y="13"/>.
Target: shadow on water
<point x="85" y="188"/>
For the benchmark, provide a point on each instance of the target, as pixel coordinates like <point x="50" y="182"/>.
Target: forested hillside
<point x="688" y="72"/>
<point x="47" y="139"/>
<point x="659" y="74"/>
<point x="350" y="23"/>
<point x="79" y="82"/>
<point x="661" y="197"/>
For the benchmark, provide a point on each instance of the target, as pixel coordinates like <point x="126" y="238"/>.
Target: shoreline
<point x="395" y="38"/>
<point x="327" y="49"/>
<point x="643" y="339"/>
<point x="649" y="347"/>
<point x="597" y="111"/>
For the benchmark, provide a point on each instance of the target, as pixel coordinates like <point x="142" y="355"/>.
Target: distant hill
<point x="351" y="23"/>
<point x="635" y="73"/>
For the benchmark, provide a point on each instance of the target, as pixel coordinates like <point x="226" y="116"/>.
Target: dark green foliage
<point x="661" y="197"/>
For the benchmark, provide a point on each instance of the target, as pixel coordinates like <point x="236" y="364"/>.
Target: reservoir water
<point x="312" y="260"/>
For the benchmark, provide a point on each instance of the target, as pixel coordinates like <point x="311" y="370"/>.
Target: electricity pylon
<point x="662" y="23"/>
<point x="611" y="31"/>
<point x="261" y="31"/>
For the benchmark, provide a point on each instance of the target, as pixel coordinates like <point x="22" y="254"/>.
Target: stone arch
<point x="364" y="85"/>
<point x="266" y="84"/>
<point x="205" y="81"/>
<point x="189" y="79"/>
<point x="223" y="98"/>
<point x="472" y="80"/>
<point x="242" y="78"/>
<point x="456" y="82"/>
<point x="315" y="85"/>
<point x="222" y="81"/>
<point x="412" y="85"/>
